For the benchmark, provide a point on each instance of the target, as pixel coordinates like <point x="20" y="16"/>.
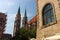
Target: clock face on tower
<point x="1" y="20"/>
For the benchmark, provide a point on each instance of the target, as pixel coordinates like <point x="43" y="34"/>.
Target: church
<point x="17" y="23"/>
<point x="48" y="20"/>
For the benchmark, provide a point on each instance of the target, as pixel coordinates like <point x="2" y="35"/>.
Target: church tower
<point x="24" y="21"/>
<point x="17" y="22"/>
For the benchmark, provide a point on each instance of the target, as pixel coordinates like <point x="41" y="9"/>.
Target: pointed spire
<point x="24" y="22"/>
<point x="25" y="13"/>
<point x="19" y="10"/>
<point x="18" y="13"/>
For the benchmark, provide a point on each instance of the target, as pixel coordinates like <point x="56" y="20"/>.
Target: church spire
<point x="18" y="13"/>
<point x="19" y="10"/>
<point x="17" y="22"/>
<point x="25" y="13"/>
<point x="25" y="20"/>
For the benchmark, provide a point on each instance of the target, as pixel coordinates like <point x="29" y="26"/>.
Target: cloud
<point x="5" y="5"/>
<point x="10" y="23"/>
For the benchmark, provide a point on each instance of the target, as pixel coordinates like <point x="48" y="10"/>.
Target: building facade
<point x="48" y="24"/>
<point x="25" y="21"/>
<point x="17" y="22"/>
<point x="2" y="23"/>
<point x="32" y="23"/>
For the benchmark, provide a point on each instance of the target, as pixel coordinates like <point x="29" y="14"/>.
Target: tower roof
<point x="25" y="14"/>
<point x="19" y="10"/>
<point x="18" y="13"/>
<point x="34" y="19"/>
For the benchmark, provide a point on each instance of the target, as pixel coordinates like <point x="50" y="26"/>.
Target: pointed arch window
<point x="48" y="14"/>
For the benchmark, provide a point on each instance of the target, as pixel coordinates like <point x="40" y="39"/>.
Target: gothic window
<point x="48" y="14"/>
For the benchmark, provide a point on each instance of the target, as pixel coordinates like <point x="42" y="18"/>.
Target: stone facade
<point x="54" y="27"/>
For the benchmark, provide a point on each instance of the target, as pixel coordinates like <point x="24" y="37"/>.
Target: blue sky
<point x="10" y="7"/>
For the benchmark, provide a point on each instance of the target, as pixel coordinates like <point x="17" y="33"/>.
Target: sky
<point x="10" y="7"/>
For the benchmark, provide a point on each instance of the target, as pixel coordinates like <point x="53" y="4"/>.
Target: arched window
<point x="48" y="14"/>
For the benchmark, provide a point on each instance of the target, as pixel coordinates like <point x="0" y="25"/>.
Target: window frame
<point x="51" y="23"/>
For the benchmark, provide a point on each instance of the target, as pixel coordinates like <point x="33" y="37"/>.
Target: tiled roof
<point x="34" y="19"/>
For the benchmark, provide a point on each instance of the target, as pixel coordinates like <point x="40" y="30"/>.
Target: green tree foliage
<point x="24" y="34"/>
